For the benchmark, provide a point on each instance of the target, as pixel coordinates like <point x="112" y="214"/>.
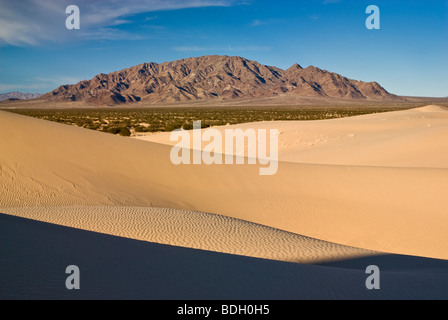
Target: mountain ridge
<point x="15" y="95"/>
<point x="213" y="77"/>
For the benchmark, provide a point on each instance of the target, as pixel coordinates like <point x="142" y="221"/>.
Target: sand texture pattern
<point x="347" y="191"/>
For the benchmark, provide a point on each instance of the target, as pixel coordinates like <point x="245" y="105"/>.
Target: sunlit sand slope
<point x="390" y="209"/>
<point x="411" y="138"/>
<point x="197" y="230"/>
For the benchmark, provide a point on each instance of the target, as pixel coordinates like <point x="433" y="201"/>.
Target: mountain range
<point x="18" y="96"/>
<point x="213" y="77"/>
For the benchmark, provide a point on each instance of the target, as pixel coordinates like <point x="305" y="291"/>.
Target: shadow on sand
<point x="34" y="256"/>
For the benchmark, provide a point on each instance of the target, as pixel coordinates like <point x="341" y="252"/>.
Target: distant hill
<point x="18" y="96"/>
<point x="214" y="77"/>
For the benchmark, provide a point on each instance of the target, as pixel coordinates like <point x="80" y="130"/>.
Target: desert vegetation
<point x="127" y="122"/>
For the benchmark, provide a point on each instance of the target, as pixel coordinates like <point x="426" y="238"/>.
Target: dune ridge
<point x="381" y="208"/>
<point x="411" y="138"/>
<point x="197" y="230"/>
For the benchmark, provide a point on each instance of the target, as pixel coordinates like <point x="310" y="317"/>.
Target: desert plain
<point x="348" y="193"/>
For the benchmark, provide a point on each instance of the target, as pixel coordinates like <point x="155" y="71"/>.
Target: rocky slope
<point x="213" y="77"/>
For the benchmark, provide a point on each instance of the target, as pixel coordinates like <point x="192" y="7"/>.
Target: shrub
<point x="122" y="131"/>
<point x="140" y="129"/>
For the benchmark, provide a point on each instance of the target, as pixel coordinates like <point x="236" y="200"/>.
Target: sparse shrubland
<point x="127" y="122"/>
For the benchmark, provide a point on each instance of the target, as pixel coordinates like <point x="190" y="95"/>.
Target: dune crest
<point x="392" y="139"/>
<point x="432" y="108"/>
<point x="197" y="230"/>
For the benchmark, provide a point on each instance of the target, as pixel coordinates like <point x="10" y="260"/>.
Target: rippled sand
<point x="196" y="230"/>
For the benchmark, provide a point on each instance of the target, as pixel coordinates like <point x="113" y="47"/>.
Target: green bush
<point x="140" y="129"/>
<point x="121" y="131"/>
<point x="171" y="127"/>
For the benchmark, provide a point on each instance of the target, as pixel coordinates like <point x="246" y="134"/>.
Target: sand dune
<point x="197" y="230"/>
<point x="412" y="138"/>
<point x="371" y="204"/>
<point x="35" y="254"/>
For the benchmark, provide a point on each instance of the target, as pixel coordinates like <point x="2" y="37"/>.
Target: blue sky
<point x="408" y="55"/>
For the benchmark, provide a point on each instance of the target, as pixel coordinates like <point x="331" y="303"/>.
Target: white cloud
<point x="56" y="80"/>
<point x="222" y="49"/>
<point x="259" y="22"/>
<point x="150" y="18"/>
<point x="190" y="48"/>
<point x="39" y="84"/>
<point x="31" y="22"/>
<point x="6" y="87"/>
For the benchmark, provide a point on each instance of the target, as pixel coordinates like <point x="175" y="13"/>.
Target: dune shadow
<point x="34" y="256"/>
<point x="391" y="263"/>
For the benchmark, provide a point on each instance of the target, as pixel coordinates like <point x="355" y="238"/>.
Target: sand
<point x="197" y="230"/>
<point x="345" y="188"/>
<point x="34" y="256"/>
<point x="411" y="138"/>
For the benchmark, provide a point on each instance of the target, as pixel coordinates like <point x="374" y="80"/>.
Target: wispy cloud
<point x="150" y="18"/>
<point x="262" y="22"/>
<point x="31" y="22"/>
<point x="109" y="33"/>
<point x="221" y="49"/>
<point x="39" y="84"/>
<point x="190" y="48"/>
<point x="6" y="87"/>
<point x="257" y="23"/>
<point x="56" y="80"/>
